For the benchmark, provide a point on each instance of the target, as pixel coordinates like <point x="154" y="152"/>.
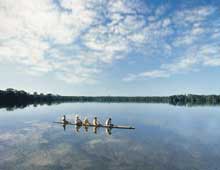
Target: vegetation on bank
<point x="18" y="98"/>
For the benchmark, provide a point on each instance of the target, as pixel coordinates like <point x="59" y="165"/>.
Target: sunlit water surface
<point x="166" y="138"/>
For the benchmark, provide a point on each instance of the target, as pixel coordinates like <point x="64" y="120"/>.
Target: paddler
<point x="86" y="122"/>
<point x="63" y="119"/>
<point x="96" y="122"/>
<point x="108" y="122"/>
<point x="78" y="122"/>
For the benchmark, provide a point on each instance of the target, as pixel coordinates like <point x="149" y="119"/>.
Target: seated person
<point x="109" y="122"/>
<point x="63" y="119"/>
<point x="96" y="122"/>
<point x="86" y="122"/>
<point x="78" y="122"/>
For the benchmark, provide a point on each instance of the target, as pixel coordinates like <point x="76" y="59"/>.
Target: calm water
<point x="166" y="138"/>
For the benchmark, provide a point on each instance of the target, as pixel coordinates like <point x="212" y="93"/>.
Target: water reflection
<point x="64" y="127"/>
<point x="77" y="128"/>
<point x="108" y="131"/>
<point x="22" y="105"/>
<point x="86" y="128"/>
<point x="166" y="138"/>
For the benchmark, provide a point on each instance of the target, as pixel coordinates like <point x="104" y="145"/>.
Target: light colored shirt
<point x="86" y="122"/>
<point x="63" y="118"/>
<point x="95" y="122"/>
<point x="108" y="122"/>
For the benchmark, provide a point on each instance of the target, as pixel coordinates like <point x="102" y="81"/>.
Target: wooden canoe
<point x="102" y="126"/>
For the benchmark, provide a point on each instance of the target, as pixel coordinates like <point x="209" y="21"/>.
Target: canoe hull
<point x="102" y="126"/>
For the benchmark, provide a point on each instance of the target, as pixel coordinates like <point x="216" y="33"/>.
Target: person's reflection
<point x="95" y="129"/>
<point x="77" y="128"/>
<point x="86" y="128"/>
<point x="64" y="126"/>
<point x="108" y="131"/>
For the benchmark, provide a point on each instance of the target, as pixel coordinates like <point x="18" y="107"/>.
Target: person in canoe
<point x="63" y="119"/>
<point x="86" y="122"/>
<point x="78" y="122"/>
<point x="108" y="122"/>
<point x="96" y="122"/>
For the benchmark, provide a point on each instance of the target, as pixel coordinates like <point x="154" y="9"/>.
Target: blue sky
<point x="110" y="47"/>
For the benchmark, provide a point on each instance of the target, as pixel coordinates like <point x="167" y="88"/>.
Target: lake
<point x="166" y="137"/>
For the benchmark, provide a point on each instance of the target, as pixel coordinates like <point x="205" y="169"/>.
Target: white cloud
<point x="75" y="39"/>
<point x="197" y="14"/>
<point x="71" y="38"/>
<point x="184" y="64"/>
<point x="193" y="60"/>
<point x="155" y="73"/>
<point x="193" y="43"/>
<point x="30" y="29"/>
<point x="148" y="74"/>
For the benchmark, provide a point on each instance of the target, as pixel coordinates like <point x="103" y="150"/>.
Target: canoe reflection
<point x="86" y="129"/>
<point x="94" y="128"/>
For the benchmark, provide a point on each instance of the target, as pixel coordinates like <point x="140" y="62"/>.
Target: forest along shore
<point x="11" y="98"/>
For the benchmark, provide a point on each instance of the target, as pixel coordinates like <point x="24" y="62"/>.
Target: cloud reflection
<point x="43" y="145"/>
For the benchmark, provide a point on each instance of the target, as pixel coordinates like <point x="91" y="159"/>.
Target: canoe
<point x="102" y="126"/>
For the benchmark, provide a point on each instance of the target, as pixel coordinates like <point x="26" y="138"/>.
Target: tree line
<point x="11" y="98"/>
